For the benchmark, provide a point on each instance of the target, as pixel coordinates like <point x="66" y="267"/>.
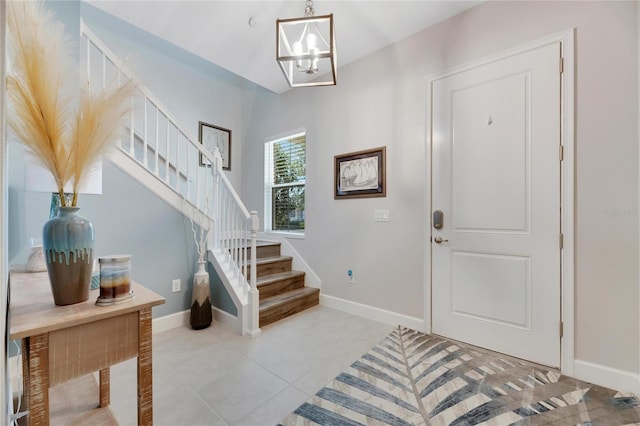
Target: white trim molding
<point x="227" y="319"/>
<point x="566" y="39"/>
<point x="181" y="319"/>
<point x="376" y="314"/>
<point x="168" y="322"/>
<point x="624" y="381"/>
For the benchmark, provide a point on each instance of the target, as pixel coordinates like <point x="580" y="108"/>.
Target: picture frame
<point x="360" y="174"/>
<point x="211" y="136"/>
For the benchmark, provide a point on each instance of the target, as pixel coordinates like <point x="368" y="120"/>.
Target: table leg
<point x="105" y="391"/>
<point x="37" y="380"/>
<point x="25" y="380"/>
<point x="145" y="372"/>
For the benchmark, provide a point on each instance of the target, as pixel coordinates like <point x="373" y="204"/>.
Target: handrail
<point x="174" y="159"/>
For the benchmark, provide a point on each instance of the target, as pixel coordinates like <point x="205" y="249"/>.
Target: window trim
<point x="266" y="193"/>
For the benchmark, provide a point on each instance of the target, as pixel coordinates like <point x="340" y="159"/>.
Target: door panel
<point x="496" y="177"/>
<point x="505" y="296"/>
<point x="490" y="157"/>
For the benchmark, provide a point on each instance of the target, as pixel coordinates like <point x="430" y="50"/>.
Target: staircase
<point x="282" y="290"/>
<point x="162" y="155"/>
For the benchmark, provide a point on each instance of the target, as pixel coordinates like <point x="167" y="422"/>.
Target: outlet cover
<point x="175" y="285"/>
<point x="381" y="215"/>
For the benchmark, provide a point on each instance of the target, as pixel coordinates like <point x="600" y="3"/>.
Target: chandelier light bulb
<point x="297" y="50"/>
<point x="311" y="42"/>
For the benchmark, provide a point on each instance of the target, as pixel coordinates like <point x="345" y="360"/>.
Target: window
<point x="285" y="176"/>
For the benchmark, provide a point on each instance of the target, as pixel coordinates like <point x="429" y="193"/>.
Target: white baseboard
<point x="167" y="322"/>
<point x="602" y="375"/>
<point x="372" y="313"/>
<point x="225" y="318"/>
<point x="181" y="319"/>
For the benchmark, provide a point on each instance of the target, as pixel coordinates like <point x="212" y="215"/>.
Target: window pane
<point x="285" y="177"/>
<point x="289" y="161"/>
<point x="288" y="208"/>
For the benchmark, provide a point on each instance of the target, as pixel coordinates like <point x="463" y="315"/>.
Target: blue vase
<point x="68" y="242"/>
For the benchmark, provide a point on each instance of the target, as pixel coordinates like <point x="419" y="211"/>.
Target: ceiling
<point x="219" y="30"/>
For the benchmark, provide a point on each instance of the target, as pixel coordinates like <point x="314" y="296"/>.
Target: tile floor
<point x="215" y="377"/>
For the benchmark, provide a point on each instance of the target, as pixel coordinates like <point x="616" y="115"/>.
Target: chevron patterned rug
<point x="412" y="378"/>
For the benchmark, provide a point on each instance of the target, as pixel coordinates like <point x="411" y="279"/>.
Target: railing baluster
<point x="132" y="140"/>
<point x="188" y="177"/>
<point x="157" y="172"/>
<point x="178" y="186"/>
<point x="144" y="136"/>
<point x="104" y="71"/>
<point x="233" y="239"/>
<point x="166" y="154"/>
<point x="244" y="252"/>
<point x="88" y="60"/>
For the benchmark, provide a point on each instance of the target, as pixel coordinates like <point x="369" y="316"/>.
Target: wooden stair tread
<point x="264" y="243"/>
<point x="277" y="307"/>
<point x="268" y="279"/>
<point x="283" y="298"/>
<point x="271" y="259"/>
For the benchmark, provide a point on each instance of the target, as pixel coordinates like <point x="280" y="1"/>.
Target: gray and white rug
<point x="412" y="378"/>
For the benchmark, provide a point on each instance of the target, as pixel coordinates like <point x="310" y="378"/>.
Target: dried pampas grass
<point x="35" y="87"/>
<point x="41" y="87"/>
<point x="99" y="116"/>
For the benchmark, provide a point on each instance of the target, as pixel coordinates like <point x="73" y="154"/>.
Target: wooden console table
<point x="60" y="343"/>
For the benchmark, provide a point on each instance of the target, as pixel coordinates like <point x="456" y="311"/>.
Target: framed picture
<point x="211" y="136"/>
<point x="360" y="174"/>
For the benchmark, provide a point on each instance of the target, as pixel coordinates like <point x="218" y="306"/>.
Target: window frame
<point x="270" y="186"/>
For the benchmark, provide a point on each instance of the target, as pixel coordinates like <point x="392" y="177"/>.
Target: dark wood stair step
<point x="271" y="265"/>
<point x="273" y="284"/>
<point x="277" y="307"/>
<point x="264" y="249"/>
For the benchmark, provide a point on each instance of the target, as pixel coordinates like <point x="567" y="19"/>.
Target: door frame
<point x="567" y="183"/>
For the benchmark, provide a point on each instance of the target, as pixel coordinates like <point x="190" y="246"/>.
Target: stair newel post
<point x="254" y="300"/>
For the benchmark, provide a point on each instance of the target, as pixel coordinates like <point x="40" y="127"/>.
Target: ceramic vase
<point x="68" y="242"/>
<point x="201" y="299"/>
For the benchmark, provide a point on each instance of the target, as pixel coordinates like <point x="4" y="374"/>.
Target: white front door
<point x="496" y="180"/>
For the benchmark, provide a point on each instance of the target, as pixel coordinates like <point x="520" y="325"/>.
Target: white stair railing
<point x="158" y="143"/>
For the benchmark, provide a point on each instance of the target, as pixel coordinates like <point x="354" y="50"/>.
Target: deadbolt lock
<point x="438" y="219"/>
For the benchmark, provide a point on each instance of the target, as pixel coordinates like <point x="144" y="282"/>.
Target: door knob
<point x="439" y="240"/>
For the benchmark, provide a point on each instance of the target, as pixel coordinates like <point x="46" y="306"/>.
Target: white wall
<point x="380" y="100"/>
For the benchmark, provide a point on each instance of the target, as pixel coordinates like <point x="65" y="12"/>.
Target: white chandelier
<point x="306" y="49"/>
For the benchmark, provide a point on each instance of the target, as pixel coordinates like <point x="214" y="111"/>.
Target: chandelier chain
<point x="308" y="8"/>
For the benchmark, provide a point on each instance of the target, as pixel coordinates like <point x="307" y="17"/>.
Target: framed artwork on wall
<point x="360" y="174"/>
<point x="213" y="136"/>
